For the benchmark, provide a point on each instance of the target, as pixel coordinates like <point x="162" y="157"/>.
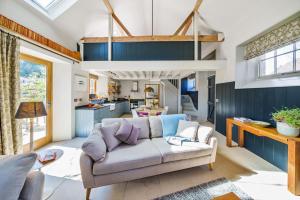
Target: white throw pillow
<point x="187" y="129"/>
<point x="204" y="134"/>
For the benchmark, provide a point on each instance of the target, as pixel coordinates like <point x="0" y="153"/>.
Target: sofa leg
<point x="210" y="166"/>
<point x="88" y="192"/>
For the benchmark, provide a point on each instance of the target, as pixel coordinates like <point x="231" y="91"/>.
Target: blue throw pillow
<point x="170" y="123"/>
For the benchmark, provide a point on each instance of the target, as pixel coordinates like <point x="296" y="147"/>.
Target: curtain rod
<point x="4" y="30"/>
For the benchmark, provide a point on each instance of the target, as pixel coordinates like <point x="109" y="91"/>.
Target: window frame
<point x="293" y="73"/>
<point x="95" y="79"/>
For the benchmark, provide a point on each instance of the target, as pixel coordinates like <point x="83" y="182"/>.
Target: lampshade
<point x="31" y="110"/>
<point x="149" y="89"/>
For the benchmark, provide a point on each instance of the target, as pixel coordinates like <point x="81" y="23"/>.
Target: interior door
<point x="211" y="99"/>
<point x="36" y="85"/>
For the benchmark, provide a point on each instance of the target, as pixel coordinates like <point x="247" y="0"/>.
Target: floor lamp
<point x="31" y="110"/>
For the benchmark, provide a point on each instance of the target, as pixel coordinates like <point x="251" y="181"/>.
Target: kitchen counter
<point x="86" y="117"/>
<point x="97" y="106"/>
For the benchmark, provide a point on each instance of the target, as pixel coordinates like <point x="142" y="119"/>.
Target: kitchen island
<point x="86" y="117"/>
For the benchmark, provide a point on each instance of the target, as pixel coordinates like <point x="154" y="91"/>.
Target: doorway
<point x="36" y="85"/>
<point x="211" y="99"/>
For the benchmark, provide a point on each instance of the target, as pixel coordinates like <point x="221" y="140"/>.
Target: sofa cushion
<point x="95" y="146"/>
<point x="186" y="151"/>
<point x="13" y="173"/>
<point x="187" y="129"/>
<point x="126" y="157"/>
<point x="142" y="123"/>
<point x="108" y="133"/>
<point x="204" y="134"/>
<point x="128" y="133"/>
<point x="170" y="123"/>
<point x="155" y="126"/>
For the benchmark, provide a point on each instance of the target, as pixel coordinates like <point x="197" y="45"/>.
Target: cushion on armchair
<point x="13" y="173"/>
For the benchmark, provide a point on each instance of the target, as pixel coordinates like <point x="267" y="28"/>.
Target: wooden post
<point x="228" y="133"/>
<point x="241" y="136"/>
<point x="294" y="166"/>
<point x="110" y="32"/>
<point x="31" y="135"/>
<point x="195" y="36"/>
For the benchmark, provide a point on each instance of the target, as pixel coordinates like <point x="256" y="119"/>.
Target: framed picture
<point x="135" y="86"/>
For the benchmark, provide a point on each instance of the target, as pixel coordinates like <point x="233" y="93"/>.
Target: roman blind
<point x="285" y="34"/>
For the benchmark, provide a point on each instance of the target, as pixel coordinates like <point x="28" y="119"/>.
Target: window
<point x="93" y="84"/>
<point x="282" y="61"/>
<point x="45" y="4"/>
<point x="36" y="85"/>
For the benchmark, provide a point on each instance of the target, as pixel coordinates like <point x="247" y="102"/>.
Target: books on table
<point x="243" y="119"/>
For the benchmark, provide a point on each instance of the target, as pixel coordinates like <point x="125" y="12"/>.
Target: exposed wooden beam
<point x="35" y="38"/>
<point x="155" y="38"/>
<point x="187" y="26"/>
<point x="197" y="5"/>
<point x="184" y="23"/>
<point x="115" y="17"/>
<point x="108" y="6"/>
<point x="121" y="24"/>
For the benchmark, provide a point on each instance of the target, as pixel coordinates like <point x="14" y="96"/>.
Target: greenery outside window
<point x="284" y="61"/>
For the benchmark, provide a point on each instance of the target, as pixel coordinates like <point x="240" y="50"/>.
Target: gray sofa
<point x="17" y="180"/>
<point x="152" y="155"/>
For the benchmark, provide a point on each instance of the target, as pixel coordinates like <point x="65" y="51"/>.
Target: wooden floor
<point x="252" y="174"/>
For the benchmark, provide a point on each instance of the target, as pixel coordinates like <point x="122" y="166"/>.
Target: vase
<point x="284" y="129"/>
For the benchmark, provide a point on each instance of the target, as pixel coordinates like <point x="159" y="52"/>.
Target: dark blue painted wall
<point x="95" y="51"/>
<point x="124" y="51"/>
<point x="257" y="103"/>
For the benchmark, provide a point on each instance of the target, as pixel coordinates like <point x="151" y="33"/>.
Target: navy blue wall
<point x="95" y="51"/>
<point x="257" y="103"/>
<point x="124" y="51"/>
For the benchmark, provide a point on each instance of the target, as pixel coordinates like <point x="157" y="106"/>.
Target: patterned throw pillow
<point x="128" y="133"/>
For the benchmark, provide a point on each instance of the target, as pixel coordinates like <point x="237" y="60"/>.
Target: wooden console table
<point x="292" y="142"/>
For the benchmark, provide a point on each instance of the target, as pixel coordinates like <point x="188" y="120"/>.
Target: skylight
<point x="44" y="4"/>
<point x="51" y="8"/>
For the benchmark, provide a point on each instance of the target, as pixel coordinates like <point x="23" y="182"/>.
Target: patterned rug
<point x="208" y="191"/>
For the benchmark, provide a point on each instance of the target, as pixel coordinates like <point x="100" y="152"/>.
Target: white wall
<point x="23" y="14"/>
<point x="102" y="86"/>
<point x="202" y="88"/>
<point x="62" y="106"/>
<point x="241" y="21"/>
<point x="171" y="97"/>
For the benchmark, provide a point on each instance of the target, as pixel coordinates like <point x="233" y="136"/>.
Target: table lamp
<point x="31" y="110"/>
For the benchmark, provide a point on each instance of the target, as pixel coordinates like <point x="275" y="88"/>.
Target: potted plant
<point x="287" y="121"/>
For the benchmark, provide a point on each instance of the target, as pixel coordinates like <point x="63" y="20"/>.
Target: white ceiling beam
<point x="199" y="65"/>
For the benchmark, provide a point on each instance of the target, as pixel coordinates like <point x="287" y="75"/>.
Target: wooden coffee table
<point x="228" y="196"/>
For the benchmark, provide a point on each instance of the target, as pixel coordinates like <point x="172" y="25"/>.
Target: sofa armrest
<point x="33" y="187"/>
<point x="213" y="142"/>
<point x="86" y="168"/>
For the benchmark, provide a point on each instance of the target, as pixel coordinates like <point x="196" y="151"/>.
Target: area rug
<point x="208" y="191"/>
